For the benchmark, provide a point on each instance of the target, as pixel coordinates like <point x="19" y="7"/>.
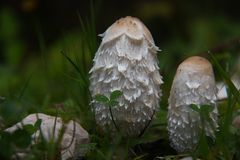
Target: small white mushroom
<point x="194" y="83"/>
<point x="126" y="60"/>
<point x="73" y="137"/>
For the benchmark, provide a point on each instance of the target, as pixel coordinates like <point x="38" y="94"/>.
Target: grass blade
<point x="75" y="66"/>
<point x="25" y="86"/>
<point x="235" y="92"/>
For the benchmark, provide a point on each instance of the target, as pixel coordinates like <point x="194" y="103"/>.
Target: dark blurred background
<point x="166" y="19"/>
<point x="29" y="28"/>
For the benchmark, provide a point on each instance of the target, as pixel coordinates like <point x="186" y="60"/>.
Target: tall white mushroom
<point x="194" y="83"/>
<point x="126" y="60"/>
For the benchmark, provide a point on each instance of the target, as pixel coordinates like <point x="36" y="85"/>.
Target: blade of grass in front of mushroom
<point x="203" y="148"/>
<point x="232" y="90"/>
<point x="233" y="98"/>
<point x="226" y="79"/>
<point x="225" y="128"/>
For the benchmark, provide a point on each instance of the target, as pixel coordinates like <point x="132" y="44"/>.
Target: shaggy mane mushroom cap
<point x="194" y="83"/>
<point x="126" y="60"/>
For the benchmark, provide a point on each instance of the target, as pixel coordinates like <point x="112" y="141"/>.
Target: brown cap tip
<point x="196" y="64"/>
<point x="130" y="26"/>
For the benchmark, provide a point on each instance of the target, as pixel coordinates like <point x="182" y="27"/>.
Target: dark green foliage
<point x="101" y="98"/>
<point x="115" y="94"/>
<point x="111" y="101"/>
<point x="19" y="140"/>
<point x="11" y="111"/>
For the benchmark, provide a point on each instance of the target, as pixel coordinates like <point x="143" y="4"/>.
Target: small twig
<point x="111" y="114"/>
<point x="144" y="129"/>
<point x="54" y="125"/>
<point x="73" y="136"/>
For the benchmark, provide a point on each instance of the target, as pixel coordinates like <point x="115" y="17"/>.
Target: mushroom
<point x="194" y="83"/>
<point x="126" y="60"/>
